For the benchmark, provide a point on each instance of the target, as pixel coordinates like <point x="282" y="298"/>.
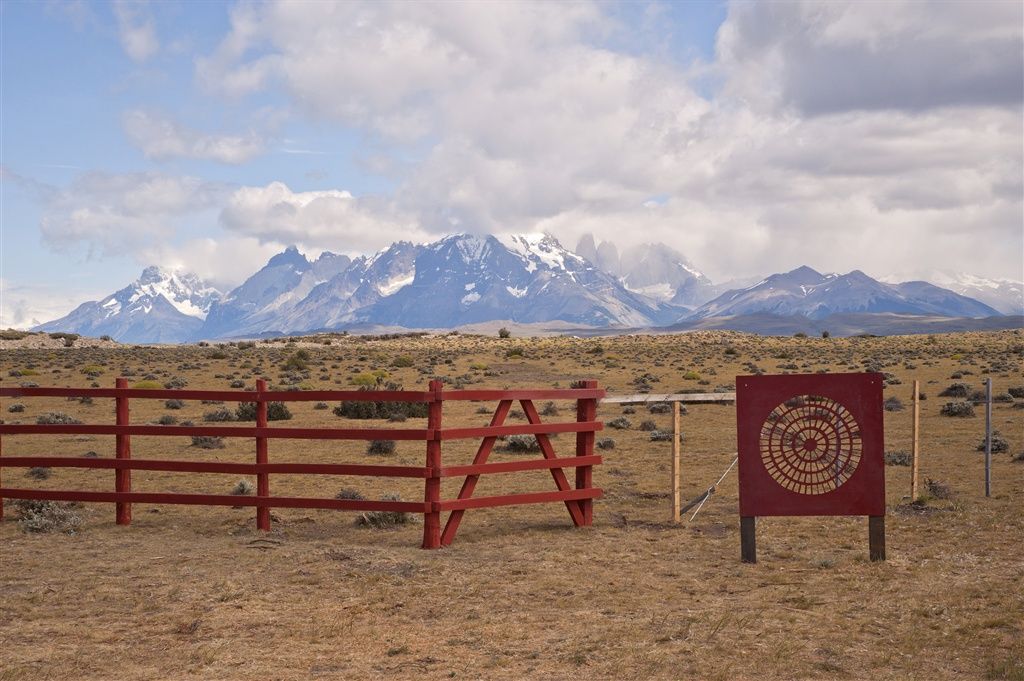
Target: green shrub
<point x="276" y="411"/>
<point x="504" y="333"/>
<point x="56" y="418"/>
<point x="958" y="409"/>
<point x="402" y="361"/>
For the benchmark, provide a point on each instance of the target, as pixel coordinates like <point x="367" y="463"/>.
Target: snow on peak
<point x="184" y="290"/>
<point x="539" y="249"/>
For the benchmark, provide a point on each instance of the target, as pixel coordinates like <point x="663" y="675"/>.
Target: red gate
<point x="811" y="445"/>
<point x="578" y="500"/>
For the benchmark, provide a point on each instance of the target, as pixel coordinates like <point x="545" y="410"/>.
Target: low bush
<point x="16" y="408"/>
<point x="207" y="442"/>
<point x="898" y="458"/>
<point x="219" y="416"/>
<point x="893" y="404"/>
<point x="174" y="404"/>
<point x="999" y="443"/>
<point x="242" y="488"/>
<point x="381" y="447"/>
<point x="956" y="390"/>
<point x="648" y="426"/>
<point x="38" y="516"/>
<point x="167" y="420"/>
<point x="620" y="423"/>
<point x="53" y="418"/>
<point x="276" y="411"/>
<point x="350" y="494"/>
<point x="606" y="443"/>
<point x="38" y="473"/>
<point x="661" y="436"/>
<point x="958" y="409"/>
<point x="384" y="519"/>
<point x="660" y="408"/>
<point x="520" y="444"/>
<point x="148" y="385"/>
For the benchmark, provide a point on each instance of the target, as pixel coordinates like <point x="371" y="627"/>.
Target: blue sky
<point x="209" y="135"/>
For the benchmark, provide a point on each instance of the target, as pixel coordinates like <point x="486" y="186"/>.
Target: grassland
<point x="190" y="592"/>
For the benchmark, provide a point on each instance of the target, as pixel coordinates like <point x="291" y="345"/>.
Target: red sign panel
<point x="810" y="444"/>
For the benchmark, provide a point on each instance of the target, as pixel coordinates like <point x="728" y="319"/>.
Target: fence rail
<point x="578" y="499"/>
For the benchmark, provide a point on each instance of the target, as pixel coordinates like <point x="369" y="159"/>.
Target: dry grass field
<point x="197" y="592"/>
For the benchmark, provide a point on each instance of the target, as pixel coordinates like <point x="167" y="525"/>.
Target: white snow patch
<point x="470" y="287"/>
<point x="470" y="298"/>
<point x="516" y="292"/>
<point x="396" y="283"/>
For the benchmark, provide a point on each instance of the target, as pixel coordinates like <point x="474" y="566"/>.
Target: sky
<point x="751" y="137"/>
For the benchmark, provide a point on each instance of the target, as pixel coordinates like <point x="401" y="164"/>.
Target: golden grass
<point x="198" y="593"/>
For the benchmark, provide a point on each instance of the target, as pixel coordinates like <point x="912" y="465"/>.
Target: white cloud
<point x="905" y="145"/>
<point x="333" y="220"/>
<point x="160" y="137"/>
<point x="137" y="29"/>
<point x="224" y="262"/>
<point x="25" y="306"/>
<point x="111" y="213"/>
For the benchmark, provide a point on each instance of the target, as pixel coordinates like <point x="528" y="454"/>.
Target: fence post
<point x="123" y="476"/>
<point x="432" y="488"/>
<point x="586" y="410"/>
<point x="988" y="437"/>
<point x="915" y="465"/>
<point x="675" y="461"/>
<point x="262" y="478"/>
<point x="1" y="482"/>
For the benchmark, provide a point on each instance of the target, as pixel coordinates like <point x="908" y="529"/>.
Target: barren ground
<point x="194" y="592"/>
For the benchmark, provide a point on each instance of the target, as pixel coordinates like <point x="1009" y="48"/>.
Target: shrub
<point x="402" y="361"/>
<point x="999" y="443"/>
<point x="521" y="444"/>
<point x="207" y="442"/>
<point x="148" y="385"/>
<point x="959" y="409"/>
<point x="898" y="458"/>
<point x="549" y="409"/>
<point x="16" y="408"/>
<point x="731" y="351"/>
<point x="242" y="488"/>
<point x="381" y="447"/>
<point x="1017" y="392"/>
<point x="52" y="418"/>
<point x="219" y="415"/>
<point x="956" y="390"/>
<point x="606" y="443"/>
<point x="382" y="519"/>
<point x="299" y="361"/>
<point x="504" y="333"/>
<point x="350" y="494"/>
<point x="691" y="376"/>
<point x="276" y="411"/>
<point x="380" y="409"/>
<point x="237" y="383"/>
<point x="320" y="405"/>
<point x="661" y="436"/>
<point x="648" y="426"/>
<point x="620" y="423"/>
<point x="938" y="490"/>
<point x="659" y="408"/>
<point x="35" y="515"/>
<point x="38" y="473"/>
<point x="167" y="420"/>
<point x="514" y="352"/>
<point x="893" y="404"/>
<point x="826" y="334"/>
<point x="174" y="404"/>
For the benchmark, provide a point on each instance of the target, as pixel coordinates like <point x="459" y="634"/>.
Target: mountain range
<point x="526" y="279"/>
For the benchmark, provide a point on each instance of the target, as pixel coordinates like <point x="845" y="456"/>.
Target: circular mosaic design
<point x="810" y="444"/>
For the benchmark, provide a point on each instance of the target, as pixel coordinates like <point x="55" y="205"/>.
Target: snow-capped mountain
<point x="161" y="306"/>
<point x="805" y="292"/>
<point x="1005" y="295"/>
<point x="271" y="294"/>
<point x="467" y="279"/>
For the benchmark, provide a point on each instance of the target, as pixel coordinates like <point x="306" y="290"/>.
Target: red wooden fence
<point x="578" y="500"/>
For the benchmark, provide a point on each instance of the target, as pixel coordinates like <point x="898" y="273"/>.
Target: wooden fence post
<point x="748" y="539"/>
<point x="915" y="465"/>
<point x="675" y="462"/>
<point x="1" y="482"/>
<point x="432" y="488"/>
<point x="262" y="478"/>
<point x="586" y="410"/>
<point x="988" y="437"/>
<point x="123" y="476"/>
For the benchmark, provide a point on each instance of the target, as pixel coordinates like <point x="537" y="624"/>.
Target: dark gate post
<point x="876" y="537"/>
<point x="748" y="539"/>
<point x="123" y="446"/>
